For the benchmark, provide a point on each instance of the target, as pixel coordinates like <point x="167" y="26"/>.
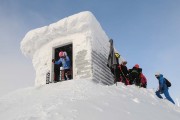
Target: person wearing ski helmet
<point x="61" y="54"/>
<point x="64" y="61"/>
<point x="163" y="89"/>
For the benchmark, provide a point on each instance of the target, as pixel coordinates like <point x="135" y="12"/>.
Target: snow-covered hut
<point x="84" y="39"/>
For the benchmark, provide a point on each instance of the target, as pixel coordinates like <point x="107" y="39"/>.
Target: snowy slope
<point x="85" y="100"/>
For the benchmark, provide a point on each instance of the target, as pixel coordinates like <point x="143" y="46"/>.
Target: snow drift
<point x="85" y="100"/>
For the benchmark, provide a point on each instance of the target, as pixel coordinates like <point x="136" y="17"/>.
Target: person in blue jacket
<point x="66" y="64"/>
<point x="163" y="89"/>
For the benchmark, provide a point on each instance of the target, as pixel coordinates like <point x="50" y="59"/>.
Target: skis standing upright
<point x="48" y="77"/>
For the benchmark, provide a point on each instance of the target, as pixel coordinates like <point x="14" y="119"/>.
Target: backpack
<point x="168" y="83"/>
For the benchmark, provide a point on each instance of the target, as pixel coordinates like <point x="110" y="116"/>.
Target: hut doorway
<point x="60" y="72"/>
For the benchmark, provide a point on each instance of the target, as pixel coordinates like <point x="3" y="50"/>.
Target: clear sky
<point x="146" y="32"/>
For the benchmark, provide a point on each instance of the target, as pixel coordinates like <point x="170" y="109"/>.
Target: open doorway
<point x="61" y="72"/>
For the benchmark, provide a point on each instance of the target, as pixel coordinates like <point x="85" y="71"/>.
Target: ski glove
<point x="53" y="60"/>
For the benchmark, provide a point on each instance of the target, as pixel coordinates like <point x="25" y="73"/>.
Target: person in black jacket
<point x="124" y="73"/>
<point x="134" y="75"/>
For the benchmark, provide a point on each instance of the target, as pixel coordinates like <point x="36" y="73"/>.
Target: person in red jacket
<point x="143" y="81"/>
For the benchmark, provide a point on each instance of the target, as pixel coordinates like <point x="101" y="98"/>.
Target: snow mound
<point x="85" y="100"/>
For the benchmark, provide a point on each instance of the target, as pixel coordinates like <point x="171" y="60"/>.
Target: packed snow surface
<point x="85" y="100"/>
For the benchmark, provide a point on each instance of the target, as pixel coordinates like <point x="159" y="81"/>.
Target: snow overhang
<point x="79" y="23"/>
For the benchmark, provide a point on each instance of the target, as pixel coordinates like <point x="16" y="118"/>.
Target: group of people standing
<point x="122" y="73"/>
<point x="130" y="76"/>
<point x="134" y="75"/>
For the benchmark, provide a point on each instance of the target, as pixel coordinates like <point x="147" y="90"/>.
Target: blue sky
<point x="146" y="32"/>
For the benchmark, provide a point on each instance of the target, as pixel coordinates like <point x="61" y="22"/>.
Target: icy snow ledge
<point x="79" y="23"/>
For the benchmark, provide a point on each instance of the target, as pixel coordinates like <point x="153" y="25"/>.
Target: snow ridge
<point x="85" y="100"/>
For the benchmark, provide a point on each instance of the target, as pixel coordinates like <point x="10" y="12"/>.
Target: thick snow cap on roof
<point x="78" y="23"/>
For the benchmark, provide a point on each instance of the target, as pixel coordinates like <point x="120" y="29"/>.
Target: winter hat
<point x="61" y="54"/>
<point x="157" y="74"/>
<point x="124" y="62"/>
<point x="136" y="66"/>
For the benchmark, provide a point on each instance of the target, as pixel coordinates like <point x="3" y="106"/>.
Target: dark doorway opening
<point x="59" y="73"/>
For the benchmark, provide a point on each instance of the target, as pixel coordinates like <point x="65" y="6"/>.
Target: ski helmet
<point x="136" y="66"/>
<point x="157" y="74"/>
<point x="124" y="62"/>
<point x="61" y="54"/>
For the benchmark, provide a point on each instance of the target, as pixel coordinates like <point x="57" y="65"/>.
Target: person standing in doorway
<point x="65" y="64"/>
